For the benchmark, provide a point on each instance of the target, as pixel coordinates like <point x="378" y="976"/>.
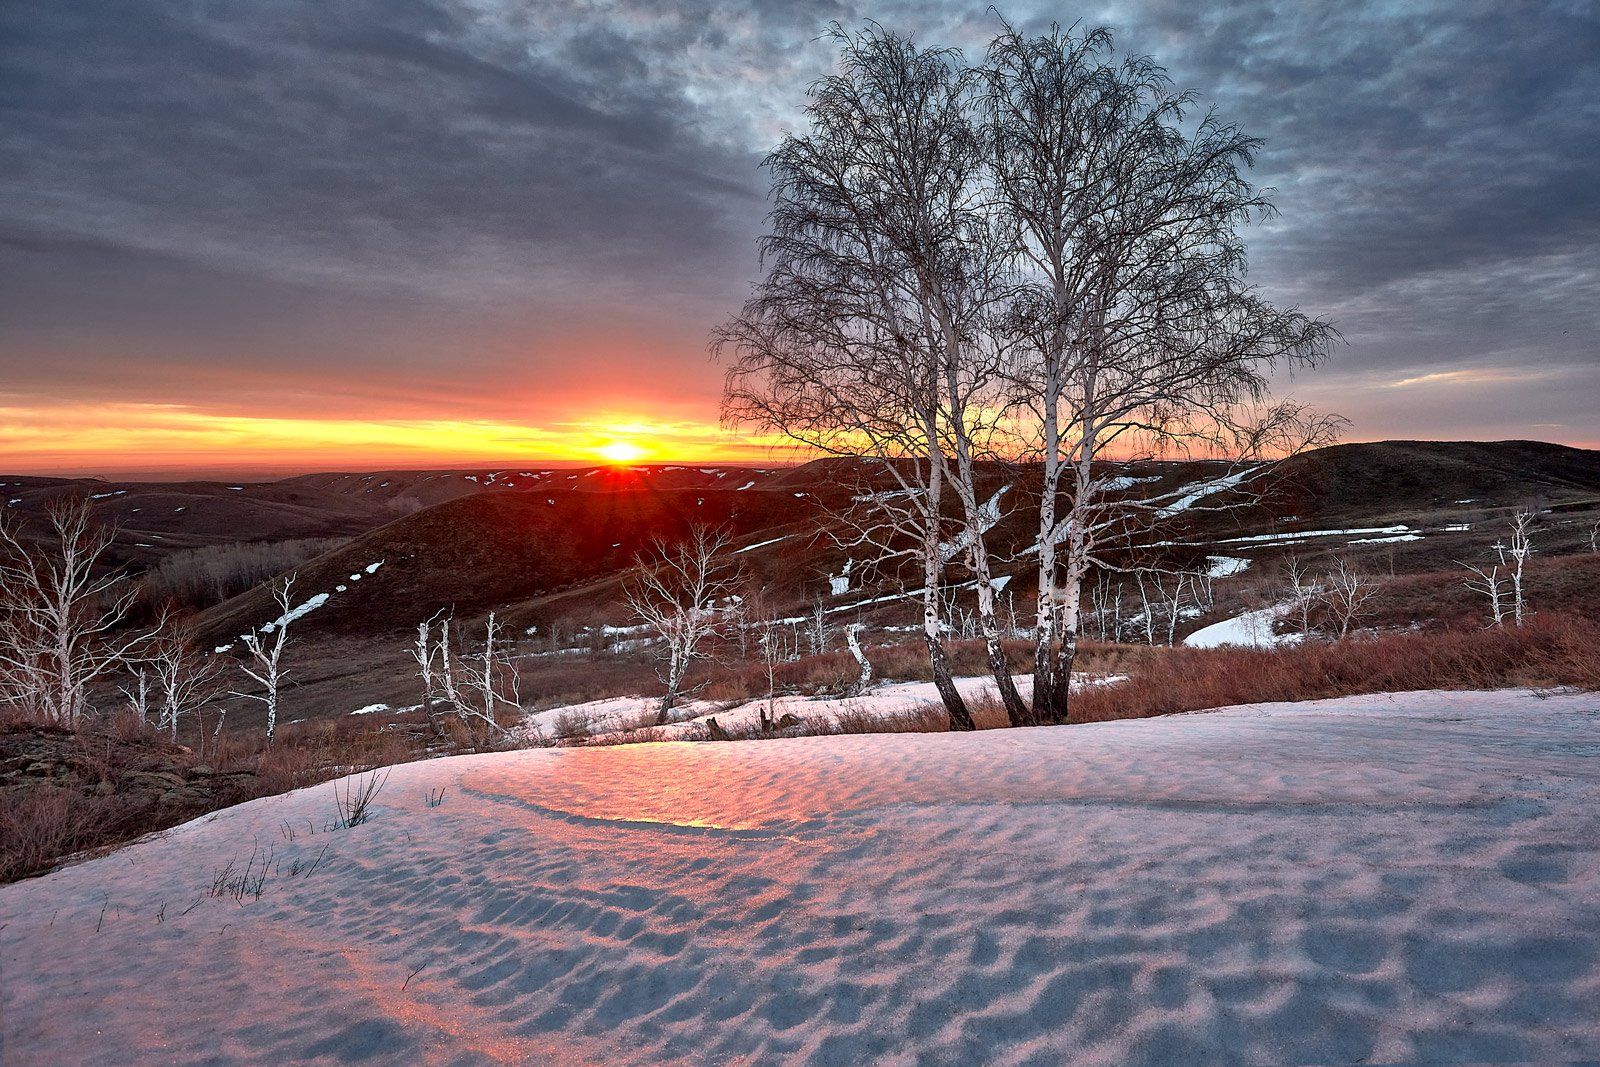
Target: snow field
<point x="1382" y="878"/>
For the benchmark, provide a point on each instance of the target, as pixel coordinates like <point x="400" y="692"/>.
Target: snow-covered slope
<point x="1382" y="878"/>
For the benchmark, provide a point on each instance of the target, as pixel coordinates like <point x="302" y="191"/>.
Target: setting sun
<point x="621" y="452"/>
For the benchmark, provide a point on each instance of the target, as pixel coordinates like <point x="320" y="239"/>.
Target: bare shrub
<point x="200" y="577"/>
<point x="41" y="824"/>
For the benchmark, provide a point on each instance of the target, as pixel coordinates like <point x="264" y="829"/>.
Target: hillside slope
<point x="1385" y="477"/>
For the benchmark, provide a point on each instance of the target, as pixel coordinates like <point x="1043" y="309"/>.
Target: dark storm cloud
<point x="261" y="183"/>
<point x="1434" y="162"/>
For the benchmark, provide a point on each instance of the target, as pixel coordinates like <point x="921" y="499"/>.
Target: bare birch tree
<point x="818" y="630"/>
<point x="684" y="593"/>
<point x="427" y="655"/>
<point x="63" y="615"/>
<point x="186" y="679"/>
<point x="1302" y="591"/>
<point x="848" y="344"/>
<point x="265" y="646"/>
<point x="477" y="686"/>
<point x="1488" y="581"/>
<point x="138" y="694"/>
<point x="1347" y="595"/>
<point x="852" y="640"/>
<point x="1514" y="555"/>
<point x="1138" y="333"/>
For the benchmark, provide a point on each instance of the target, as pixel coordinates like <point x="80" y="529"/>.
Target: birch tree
<point x="265" y="647"/>
<point x="850" y="341"/>
<point x="1302" y="591"/>
<point x="186" y="680"/>
<point x="427" y="655"/>
<point x="684" y="593"/>
<point x="1491" y="584"/>
<point x="1347" y="595"/>
<point x="852" y="640"/>
<point x="478" y="686"/>
<point x="1137" y="332"/>
<point x="1514" y="553"/>
<point x="64" y="615"/>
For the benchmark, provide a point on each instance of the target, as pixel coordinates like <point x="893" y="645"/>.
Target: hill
<point x="1372" y="481"/>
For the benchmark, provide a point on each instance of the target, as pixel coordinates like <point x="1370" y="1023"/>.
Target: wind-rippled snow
<point x="1373" y="879"/>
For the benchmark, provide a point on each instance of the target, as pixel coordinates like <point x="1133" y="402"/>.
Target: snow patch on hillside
<point x="1253" y="629"/>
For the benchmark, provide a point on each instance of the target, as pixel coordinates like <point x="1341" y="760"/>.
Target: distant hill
<point x="490" y="550"/>
<point x="155" y="519"/>
<point x="1384" y="476"/>
<point x="539" y="542"/>
<point x="544" y="547"/>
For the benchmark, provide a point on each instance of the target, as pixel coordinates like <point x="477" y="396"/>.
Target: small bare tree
<point x="1347" y="594"/>
<point x="477" y="686"/>
<point x="1303" y="592"/>
<point x="684" y="592"/>
<point x="63" y="615"/>
<point x="426" y="654"/>
<point x="818" y="631"/>
<point x="852" y="640"/>
<point x="1515" y="555"/>
<point x="138" y="694"/>
<point x="1594" y="536"/>
<point x="1492" y="584"/>
<point x="266" y="653"/>
<point x="186" y="680"/>
<point x="1501" y="581"/>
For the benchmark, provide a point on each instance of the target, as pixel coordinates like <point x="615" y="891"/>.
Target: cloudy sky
<point x="287" y="233"/>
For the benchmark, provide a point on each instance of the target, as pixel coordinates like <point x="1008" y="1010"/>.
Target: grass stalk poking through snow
<point x="354" y="801"/>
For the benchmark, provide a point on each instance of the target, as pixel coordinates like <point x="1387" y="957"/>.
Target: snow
<point x="839" y="584"/>
<point x="1301" y="535"/>
<point x="1395" y="539"/>
<point x="309" y="605"/>
<point x="1200" y="490"/>
<point x="370" y="709"/>
<point x="1378" y="879"/>
<point x="746" y="485"/>
<point x="1123" y="482"/>
<point x="1253" y="629"/>
<point x="759" y="544"/>
<point x="1226" y="566"/>
<point x="614" y="715"/>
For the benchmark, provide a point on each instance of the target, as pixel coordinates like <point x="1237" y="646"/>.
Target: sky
<point x="285" y="235"/>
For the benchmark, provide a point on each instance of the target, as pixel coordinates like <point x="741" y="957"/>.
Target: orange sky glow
<point x="116" y="439"/>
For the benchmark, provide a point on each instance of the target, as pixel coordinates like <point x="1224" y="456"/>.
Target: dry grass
<point x="1550" y="650"/>
<point x="102" y="793"/>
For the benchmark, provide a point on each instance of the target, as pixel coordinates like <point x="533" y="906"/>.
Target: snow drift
<point x="1387" y="878"/>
